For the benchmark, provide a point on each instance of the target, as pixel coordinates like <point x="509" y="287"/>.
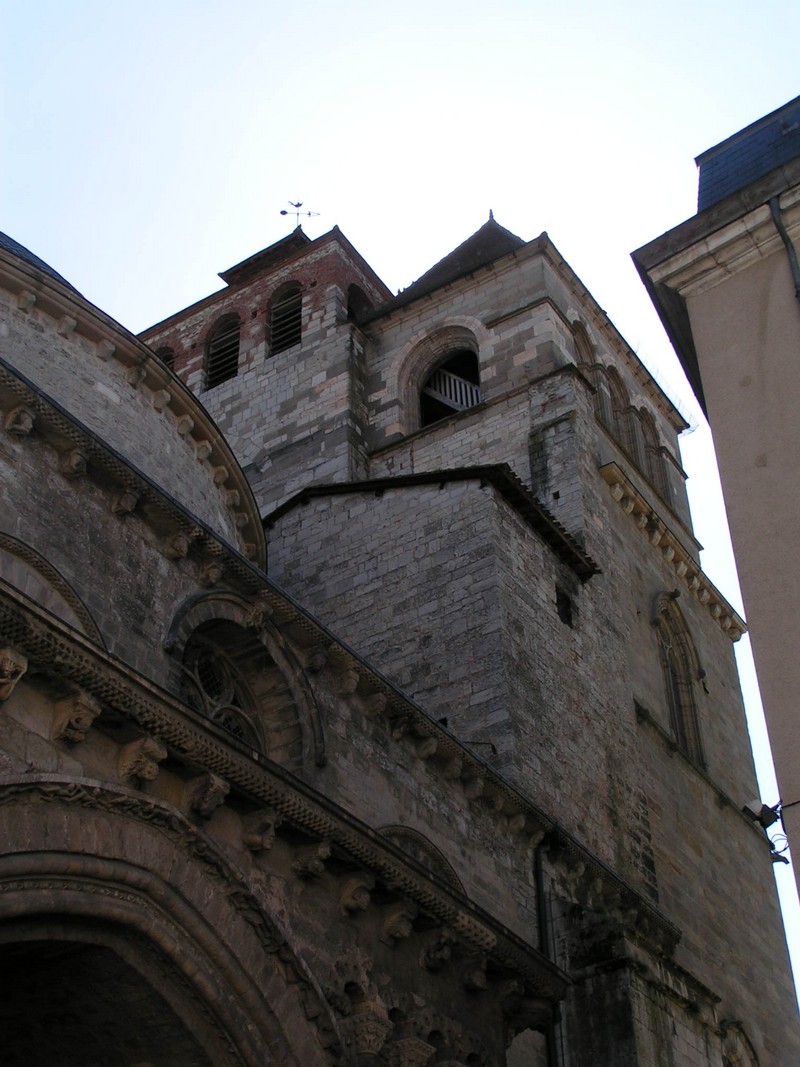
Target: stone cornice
<point x="259" y="779"/>
<point x="38" y="293"/>
<point x="712" y="257"/>
<point x="672" y="551"/>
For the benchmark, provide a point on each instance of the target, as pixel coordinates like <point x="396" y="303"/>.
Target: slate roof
<point x="267" y="257"/>
<point x="492" y="241"/>
<point x="21" y="252"/>
<point x="749" y="154"/>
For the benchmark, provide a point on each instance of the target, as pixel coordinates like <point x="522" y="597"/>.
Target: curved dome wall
<point x="116" y="388"/>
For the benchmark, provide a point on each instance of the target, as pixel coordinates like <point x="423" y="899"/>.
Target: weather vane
<point x="296" y="205"/>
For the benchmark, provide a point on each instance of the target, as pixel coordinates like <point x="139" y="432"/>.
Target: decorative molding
<point x="193" y="738"/>
<point x="671" y="550"/>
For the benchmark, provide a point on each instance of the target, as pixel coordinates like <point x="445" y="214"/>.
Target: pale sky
<point x="149" y="145"/>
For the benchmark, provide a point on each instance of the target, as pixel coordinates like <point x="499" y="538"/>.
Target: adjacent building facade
<point x="363" y="698"/>
<point x="726" y="284"/>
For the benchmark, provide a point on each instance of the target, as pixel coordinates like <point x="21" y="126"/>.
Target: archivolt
<point x="230" y="976"/>
<point x="29" y="571"/>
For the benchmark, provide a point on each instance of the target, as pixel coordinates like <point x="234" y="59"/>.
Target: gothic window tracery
<point x="217" y="689"/>
<point x="680" y="668"/>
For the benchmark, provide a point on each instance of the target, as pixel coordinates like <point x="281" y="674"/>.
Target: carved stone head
<point x="12" y="667"/>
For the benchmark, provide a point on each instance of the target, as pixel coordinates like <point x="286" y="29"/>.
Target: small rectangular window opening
<point x="565" y="607"/>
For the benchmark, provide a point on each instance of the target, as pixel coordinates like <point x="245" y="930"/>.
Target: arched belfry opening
<point x="452" y="386"/>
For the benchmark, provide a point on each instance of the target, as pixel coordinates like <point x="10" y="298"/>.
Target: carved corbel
<point x="233" y="498"/>
<point x="12" y="667"/>
<point x="19" y="421"/>
<point x="136" y="375"/>
<point x="25" y="299"/>
<point x="105" y="349"/>
<point x="184" y="425"/>
<point x="367" y="1027"/>
<point x="410" y="1052"/>
<point x="355" y="893"/>
<point x="259" y="829"/>
<point x="177" y="546"/>
<point x="439" y="952"/>
<point x="205" y="793"/>
<point x="73" y="463"/>
<point x="140" y="759"/>
<point x="317" y="661"/>
<point x="66" y="326"/>
<point x="374" y="705"/>
<point x="453" y="768"/>
<point x="309" y="860"/>
<point x="426" y="748"/>
<point x="124" y="503"/>
<point x="211" y="573"/>
<point x="473" y="787"/>
<point x="474" y="975"/>
<point x="203" y="450"/>
<point x="221" y="475"/>
<point x="398" y="921"/>
<point x="259" y="613"/>
<point x="347" y="682"/>
<point x="73" y="717"/>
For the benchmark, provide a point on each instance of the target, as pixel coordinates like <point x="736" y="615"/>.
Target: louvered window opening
<point x="223" y="354"/>
<point x="452" y="390"/>
<point x="286" y="322"/>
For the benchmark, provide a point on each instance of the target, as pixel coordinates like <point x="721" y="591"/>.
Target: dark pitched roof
<point x="267" y="257"/>
<point x="749" y="154"/>
<point x="21" y="252"/>
<point x="492" y="241"/>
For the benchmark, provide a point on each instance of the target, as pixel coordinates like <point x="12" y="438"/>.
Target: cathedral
<point x="363" y="701"/>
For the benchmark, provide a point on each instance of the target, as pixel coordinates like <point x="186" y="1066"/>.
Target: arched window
<point x="454" y="385"/>
<point x="167" y="356"/>
<point x="358" y="303"/>
<point x="222" y="352"/>
<point x="584" y="353"/>
<point x="285" y="318"/>
<point x="216" y="686"/>
<point x="653" y="455"/>
<point x="680" y="668"/>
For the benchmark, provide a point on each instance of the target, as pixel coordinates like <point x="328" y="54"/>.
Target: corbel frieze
<point x="672" y="551"/>
<point x="156" y="713"/>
